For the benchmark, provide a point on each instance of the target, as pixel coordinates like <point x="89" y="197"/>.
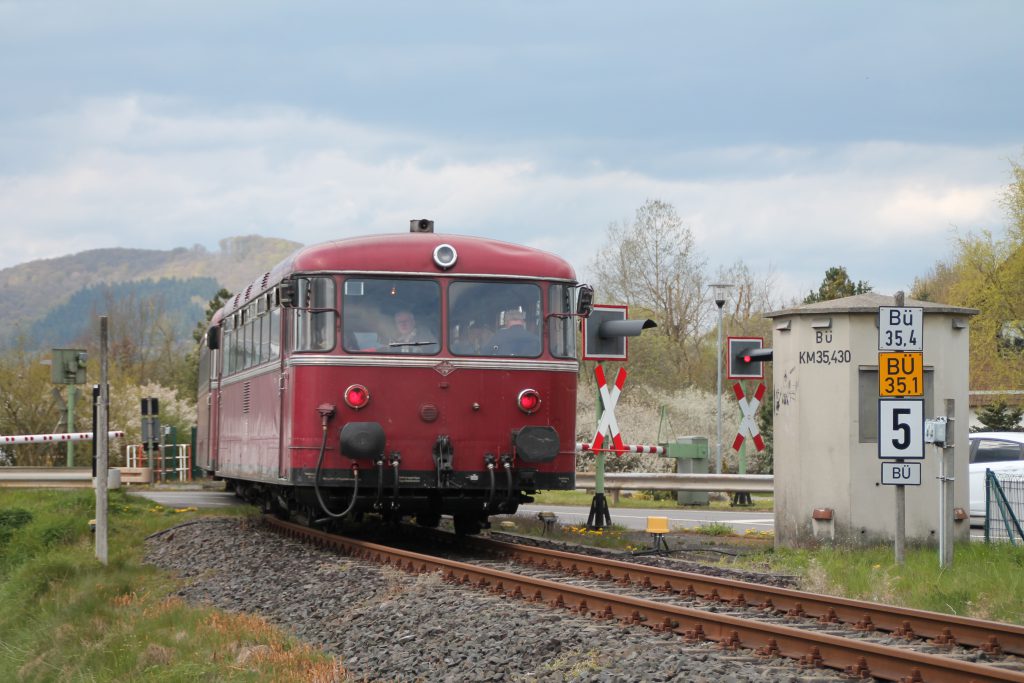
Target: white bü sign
<point x="609" y="397"/>
<point x="748" y="425"/>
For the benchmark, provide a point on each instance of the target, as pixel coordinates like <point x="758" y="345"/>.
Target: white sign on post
<point x="900" y="329"/>
<point x="901" y="473"/>
<point x="901" y="428"/>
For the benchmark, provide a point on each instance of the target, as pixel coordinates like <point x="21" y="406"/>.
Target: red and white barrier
<point x="46" y="438"/>
<point x="625" y="448"/>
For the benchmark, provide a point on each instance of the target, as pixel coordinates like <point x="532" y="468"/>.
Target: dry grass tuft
<point x="155" y="655"/>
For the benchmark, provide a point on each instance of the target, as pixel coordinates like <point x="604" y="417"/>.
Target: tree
<point x="999" y="417"/>
<point x="987" y="273"/>
<point x="184" y="376"/>
<point x="653" y="266"/>
<point x="28" y="406"/>
<point x="836" y="285"/>
<point x="214" y="305"/>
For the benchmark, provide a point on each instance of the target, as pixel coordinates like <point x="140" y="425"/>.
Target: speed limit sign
<point x="901" y="428"/>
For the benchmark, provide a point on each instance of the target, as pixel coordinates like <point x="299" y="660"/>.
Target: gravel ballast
<point x="385" y="624"/>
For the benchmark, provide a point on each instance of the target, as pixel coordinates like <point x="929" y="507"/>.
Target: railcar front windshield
<point x="495" y="319"/>
<point x="399" y="316"/>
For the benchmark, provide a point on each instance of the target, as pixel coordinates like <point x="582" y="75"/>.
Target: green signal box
<point x="68" y="366"/>
<point x="691" y="456"/>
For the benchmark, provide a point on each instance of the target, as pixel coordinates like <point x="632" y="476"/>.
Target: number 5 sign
<point x="901" y="428"/>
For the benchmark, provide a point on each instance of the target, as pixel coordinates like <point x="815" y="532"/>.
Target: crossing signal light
<point x="746" y="355"/>
<point x="605" y="331"/>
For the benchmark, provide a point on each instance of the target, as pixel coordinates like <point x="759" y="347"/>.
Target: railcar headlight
<point x="357" y="396"/>
<point x="528" y="401"/>
<point x="445" y="256"/>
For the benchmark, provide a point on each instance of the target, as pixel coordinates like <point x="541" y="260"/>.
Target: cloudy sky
<point x="793" y="135"/>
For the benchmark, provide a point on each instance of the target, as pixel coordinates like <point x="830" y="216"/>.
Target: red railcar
<point x="409" y="374"/>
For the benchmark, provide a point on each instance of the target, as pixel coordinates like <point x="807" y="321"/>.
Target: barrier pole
<point x="102" y="450"/>
<point x="71" y="424"/>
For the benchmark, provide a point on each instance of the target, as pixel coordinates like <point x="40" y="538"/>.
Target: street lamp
<point x="721" y="291"/>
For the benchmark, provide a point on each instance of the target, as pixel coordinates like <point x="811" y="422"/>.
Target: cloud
<point x="139" y="171"/>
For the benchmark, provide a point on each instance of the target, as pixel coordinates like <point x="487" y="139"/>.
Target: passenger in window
<point x="408" y="338"/>
<point x="473" y="341"/>
<point x="513" y="339"/>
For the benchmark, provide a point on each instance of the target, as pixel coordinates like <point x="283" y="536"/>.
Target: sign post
<point x="67" y="366"/>
<point x="607" y="398"/>
<point x="151" y="430"/>
<point x="900" y="403"/>
<point x="746" y="361"/>
<point x="605" y="332"/>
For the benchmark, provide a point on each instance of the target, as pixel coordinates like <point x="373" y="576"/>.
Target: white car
<point x="996" y="451"/>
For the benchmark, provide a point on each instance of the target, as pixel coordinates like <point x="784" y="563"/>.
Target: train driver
<point x="409" y="339"/>
<point x="513" y="339"/>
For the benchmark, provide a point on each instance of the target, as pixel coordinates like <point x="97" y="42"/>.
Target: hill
<point x="35" y="289"/>
<point x="176" y="305"/>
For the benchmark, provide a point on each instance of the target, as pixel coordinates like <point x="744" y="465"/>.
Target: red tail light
<point x="528" y="401"/>
<point x="357" y="396"/>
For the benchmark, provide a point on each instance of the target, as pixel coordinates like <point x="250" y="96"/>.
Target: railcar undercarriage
<point x="469" y="509"/>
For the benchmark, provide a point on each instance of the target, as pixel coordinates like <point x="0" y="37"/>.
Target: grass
<point x="67" y="617"/>
<point x="986" y="581"/>
<point x="644" y="500"/>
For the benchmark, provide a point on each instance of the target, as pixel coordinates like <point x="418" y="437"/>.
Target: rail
<point x="857" y="657"/>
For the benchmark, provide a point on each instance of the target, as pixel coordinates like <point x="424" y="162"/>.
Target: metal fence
<point x="1004" y="507"/>
<point x="175" y="465"/>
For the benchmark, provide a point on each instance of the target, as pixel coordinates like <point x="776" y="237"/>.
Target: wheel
<point x="466" y="525"/>
<point x="428" y="519"/>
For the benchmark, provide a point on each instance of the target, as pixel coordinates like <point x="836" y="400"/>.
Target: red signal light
<point x="357" y="396"/>
<point x="528" y="401"/>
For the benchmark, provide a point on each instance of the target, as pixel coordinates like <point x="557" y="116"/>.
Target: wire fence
<point x="1004" y="507"/>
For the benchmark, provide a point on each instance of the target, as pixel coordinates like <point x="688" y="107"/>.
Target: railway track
<point x="819" y="631"/>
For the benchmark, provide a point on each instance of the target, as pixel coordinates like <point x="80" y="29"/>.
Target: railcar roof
<point x="413" y="252"/>
<point x="410" y="253"/>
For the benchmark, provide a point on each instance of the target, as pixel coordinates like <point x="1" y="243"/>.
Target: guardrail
<point x="53" y="477"/>
<point x="65" y="477"/>
<point x="634" y="481"/>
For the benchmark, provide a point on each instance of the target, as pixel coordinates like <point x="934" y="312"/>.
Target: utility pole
<point x="721" y="292"/>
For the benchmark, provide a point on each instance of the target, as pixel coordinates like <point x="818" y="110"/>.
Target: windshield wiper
<point x="414" y="343"/>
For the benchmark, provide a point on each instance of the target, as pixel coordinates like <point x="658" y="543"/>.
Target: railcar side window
<point x="275" y="333"/>
<point x="391" y="316"/>
<point x="314" y="314"/>
<point x="205" y="362"/>
<point x="561" y="324"/>
<point x="251" y="336"/>
<point x="495" y="319"/>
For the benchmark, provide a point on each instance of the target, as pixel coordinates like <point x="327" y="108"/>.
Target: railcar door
<point x="208" y="403"/>
<point x="277" y="341"/>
